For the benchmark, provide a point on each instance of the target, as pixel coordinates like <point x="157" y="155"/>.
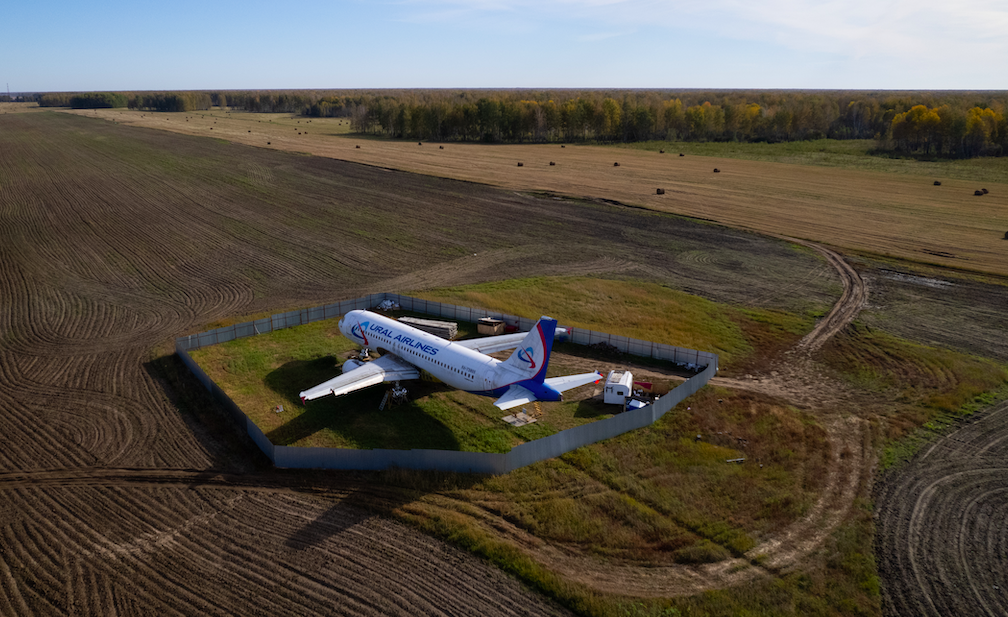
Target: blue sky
<point x="66" y="45"/>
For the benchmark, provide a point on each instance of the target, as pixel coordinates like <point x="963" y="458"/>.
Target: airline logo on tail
<point x="527" y="355"/>
<point x="358" y="331"/>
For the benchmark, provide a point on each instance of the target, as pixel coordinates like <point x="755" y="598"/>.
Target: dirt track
<point x="942" y="540"/>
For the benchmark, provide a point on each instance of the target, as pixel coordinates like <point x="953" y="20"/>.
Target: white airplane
<point x="461" y="364"/>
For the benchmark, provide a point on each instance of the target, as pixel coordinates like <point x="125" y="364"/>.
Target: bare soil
<point x="941" y="537"/>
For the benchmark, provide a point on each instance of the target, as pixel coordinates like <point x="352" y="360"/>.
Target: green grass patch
<point x="900" y="450"/>
<point x="657" y="496"/>
<point x="660" y="495"/>
<point x="645" y="311"/>
<point x="856" y="154"/>
<point x="843" y="581"/>
<point x="922" y="389"/>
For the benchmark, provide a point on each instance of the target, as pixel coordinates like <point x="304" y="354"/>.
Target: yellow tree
<point x="981" y="124"/>
<point x="610" y="117"/>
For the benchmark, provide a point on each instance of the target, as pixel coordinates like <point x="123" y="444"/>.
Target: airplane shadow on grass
<point x="353" y="418"/>
<point x="595" y="409"/>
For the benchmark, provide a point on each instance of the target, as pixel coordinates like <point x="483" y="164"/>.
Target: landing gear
<point x="396" y="396"/>
<point x="399" y="394"/>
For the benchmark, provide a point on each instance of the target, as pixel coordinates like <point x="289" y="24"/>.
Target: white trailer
<point x="618" y="386"/>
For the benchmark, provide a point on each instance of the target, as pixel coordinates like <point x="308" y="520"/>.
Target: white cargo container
<point x="618" y="387"/>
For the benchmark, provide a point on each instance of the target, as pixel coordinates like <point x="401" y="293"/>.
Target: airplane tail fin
<point x="529" y="360"/>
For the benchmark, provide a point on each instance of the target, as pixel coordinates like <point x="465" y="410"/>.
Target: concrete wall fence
<point x="447" y="460"/>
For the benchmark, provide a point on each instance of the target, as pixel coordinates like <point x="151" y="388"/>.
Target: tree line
<point x="950" y="124"/>
<point x="151" y="101"/>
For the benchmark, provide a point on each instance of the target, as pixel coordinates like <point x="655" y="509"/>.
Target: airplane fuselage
<point x="455" y="365"/>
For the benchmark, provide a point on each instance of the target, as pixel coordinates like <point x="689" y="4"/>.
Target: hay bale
<point x="937" y="183"/>
<point x="521" y="164"/>
<point x="660" y="192"/>
<point x="984" y="191"/>
<point x="716" y="170"/>
<point x="978" y="193"/>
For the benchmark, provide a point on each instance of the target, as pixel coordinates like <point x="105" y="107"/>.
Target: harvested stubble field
<point x="902" y="215"/>
<point x="116" y="468"/>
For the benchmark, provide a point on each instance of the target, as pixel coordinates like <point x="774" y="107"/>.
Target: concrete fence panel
<point x="260" y="439"/>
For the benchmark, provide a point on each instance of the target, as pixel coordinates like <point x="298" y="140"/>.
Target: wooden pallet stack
<point x="444" y="329"/>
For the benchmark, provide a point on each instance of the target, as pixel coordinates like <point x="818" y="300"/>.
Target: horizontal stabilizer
<point x="515" y="396"/>
<point x="569" y="382"/>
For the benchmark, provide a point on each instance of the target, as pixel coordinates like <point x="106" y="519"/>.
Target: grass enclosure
<point x="261" y="372"/>
<point x="264" y="371"/>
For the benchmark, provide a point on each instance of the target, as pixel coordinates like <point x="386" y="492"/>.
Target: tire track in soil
<point x="323" y="552"/>
<point x="941" y="539"/>
<point x="96" y="269"/>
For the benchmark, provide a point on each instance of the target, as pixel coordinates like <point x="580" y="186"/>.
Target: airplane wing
<point x="491" y="344"/>
<point x="515" y="396"/>
<point x="385" y="368"/>
<point x="569" y="382"/>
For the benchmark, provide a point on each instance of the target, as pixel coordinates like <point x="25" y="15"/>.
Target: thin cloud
<point x="851" y="28"/>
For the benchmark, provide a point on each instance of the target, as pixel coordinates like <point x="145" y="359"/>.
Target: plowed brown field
<point x="942" y="539"/>
<point x="113" y="240"/>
